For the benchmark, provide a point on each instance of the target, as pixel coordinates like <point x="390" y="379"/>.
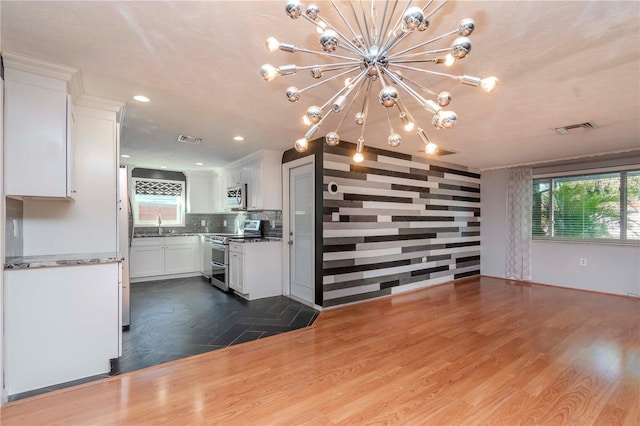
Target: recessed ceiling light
<point x="163" y="167"/>
<point x="125" y="156"/>
<point x="199" y="164"/>
<point x="141" y="98"/>
<point x="238" y="138"/>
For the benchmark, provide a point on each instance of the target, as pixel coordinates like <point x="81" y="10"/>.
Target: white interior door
<point x="301" y="219"/>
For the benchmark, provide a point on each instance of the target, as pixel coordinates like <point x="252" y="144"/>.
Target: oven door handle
<point x="220" y="265"/>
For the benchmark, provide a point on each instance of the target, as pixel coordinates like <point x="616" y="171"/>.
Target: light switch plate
<point x="335" y="216"/>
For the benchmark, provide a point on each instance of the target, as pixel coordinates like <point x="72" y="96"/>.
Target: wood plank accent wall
<point x="397" y="222"/>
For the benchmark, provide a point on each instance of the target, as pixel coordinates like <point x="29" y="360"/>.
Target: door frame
<point x="286" y="205"/>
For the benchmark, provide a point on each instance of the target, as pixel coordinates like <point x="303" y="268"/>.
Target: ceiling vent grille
<point x="584" y="126"/>
<point x="189" y="139"/>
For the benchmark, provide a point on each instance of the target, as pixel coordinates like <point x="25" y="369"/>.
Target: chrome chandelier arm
<point x="424" y="43"/>
<point x="360" y="37"/>
<point x="350" y="46"/>
<point x="434" y="10"/>
<point x="320" y="83"/>
<point x="387" y="23"/>
<point x="355" y="36"/>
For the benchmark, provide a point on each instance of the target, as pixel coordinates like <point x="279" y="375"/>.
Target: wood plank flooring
<point x="482" y="351"/>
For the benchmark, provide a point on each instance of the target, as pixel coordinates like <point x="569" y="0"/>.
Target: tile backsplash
<point x="227" y="223"/>
<point x="13" y="228"/>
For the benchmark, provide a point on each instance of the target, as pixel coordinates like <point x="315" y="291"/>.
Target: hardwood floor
<point x="482" y="351"/>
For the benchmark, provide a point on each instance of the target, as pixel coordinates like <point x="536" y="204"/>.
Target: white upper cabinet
<point x="38" y="136"/>
<point x="262" y="173"/>
<point x="200" y="193"/>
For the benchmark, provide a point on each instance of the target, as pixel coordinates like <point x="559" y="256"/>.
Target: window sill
<point x="632" y="243"/>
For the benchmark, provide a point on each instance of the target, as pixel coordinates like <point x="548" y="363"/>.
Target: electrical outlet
<point x="224" y="223"/>
<point x="203" y="222"/>
<point x="335" y="217"/>
<point x="424" y="259"/>
<point x="583" y="261"/>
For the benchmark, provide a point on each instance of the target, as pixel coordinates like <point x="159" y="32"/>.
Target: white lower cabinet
<point x="60" y="324"/>
<point x="255" y="269"/>
<point x="160" y="256"/>
<point x="236" y="271"/>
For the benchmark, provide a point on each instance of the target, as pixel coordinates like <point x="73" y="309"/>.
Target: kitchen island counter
<point x="53" y="260"/>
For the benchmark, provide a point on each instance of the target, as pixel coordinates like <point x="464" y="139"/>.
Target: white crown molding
<point x="34" y="65"/>
<point x="560" y="160"/>
<point x="99" y="103"/>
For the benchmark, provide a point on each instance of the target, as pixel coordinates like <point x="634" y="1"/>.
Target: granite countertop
<point x="254" y="240"/>
<point x="47" y="261"/>
<point x="186" y="234"/>
<point x="234" y="240"/>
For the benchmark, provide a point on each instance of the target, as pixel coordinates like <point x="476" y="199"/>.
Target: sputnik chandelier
<point x="368" y="62"/>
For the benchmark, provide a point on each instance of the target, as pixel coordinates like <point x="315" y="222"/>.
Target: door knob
<point x="290" y="242"/>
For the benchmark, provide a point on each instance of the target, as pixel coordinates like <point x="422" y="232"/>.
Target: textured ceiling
<point x="559" y="63"/>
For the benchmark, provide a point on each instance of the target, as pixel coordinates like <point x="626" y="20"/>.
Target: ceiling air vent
<point x="189" y="139"/>
<point x="584" y="126"/>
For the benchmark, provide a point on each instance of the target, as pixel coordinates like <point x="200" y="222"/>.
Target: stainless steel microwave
<point x="237" y="197"/>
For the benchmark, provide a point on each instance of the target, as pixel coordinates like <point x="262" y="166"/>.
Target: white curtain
<point x="519" y="205"/>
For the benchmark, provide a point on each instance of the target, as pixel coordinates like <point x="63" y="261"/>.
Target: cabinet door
<point x="71" y="159"/>
<point x="146" y="261"/>
<point x="236" y="272"/>
<point x="255" y="184"/>
<point x="199" y="193"/>
<point x="35" y="140"/>
<point x="181" y="258"/>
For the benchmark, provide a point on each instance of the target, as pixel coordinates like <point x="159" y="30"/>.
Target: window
<point x="604" y="206"/>
<point x="158" y="202"/>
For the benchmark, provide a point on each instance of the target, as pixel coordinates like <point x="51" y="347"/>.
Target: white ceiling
<point x="559" y="63"/>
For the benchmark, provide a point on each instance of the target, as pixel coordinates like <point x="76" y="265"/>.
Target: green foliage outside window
<point x="602" y="206"/>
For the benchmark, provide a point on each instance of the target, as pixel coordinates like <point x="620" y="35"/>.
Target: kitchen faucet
<point x="159" y="224"/>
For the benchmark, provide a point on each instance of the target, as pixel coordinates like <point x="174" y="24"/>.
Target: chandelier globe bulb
<point x="394" y="140"/>
<point x="329" y="41"/>
<point x="272" y="44"/>
<point x="293" y="9"/>
<point x="489" y="84"/>
<point x="444" y="98"/>
<point x="449" y="60"/>
<point x="413" y="19"/>
<point x="431" y="148"/>
<point x="388" y="96"/>
<point x="293" y="94"/>
<point x="332" y="139"/>
<point x="467" y="25"/>
<point x="314" y="113"/>
<point x="447" y="119"/>
<point x="313" y="11"/>
<point x="268" y="72"/>
<point x="461" y="47"/>
<point x="301" y="144"/>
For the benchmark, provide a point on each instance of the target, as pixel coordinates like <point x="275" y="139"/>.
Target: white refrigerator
<point x="125" y="230"/>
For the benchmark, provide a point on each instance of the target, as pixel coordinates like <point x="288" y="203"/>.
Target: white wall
<point x="610" y="268"/>
<point x="87" y="224"/>
<point x="493" y="222"/>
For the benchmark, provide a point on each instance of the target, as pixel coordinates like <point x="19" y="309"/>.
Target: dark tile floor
<point x="173" y="319"/>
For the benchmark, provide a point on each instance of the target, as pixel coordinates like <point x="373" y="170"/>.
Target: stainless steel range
<point x="219" y="245"/>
